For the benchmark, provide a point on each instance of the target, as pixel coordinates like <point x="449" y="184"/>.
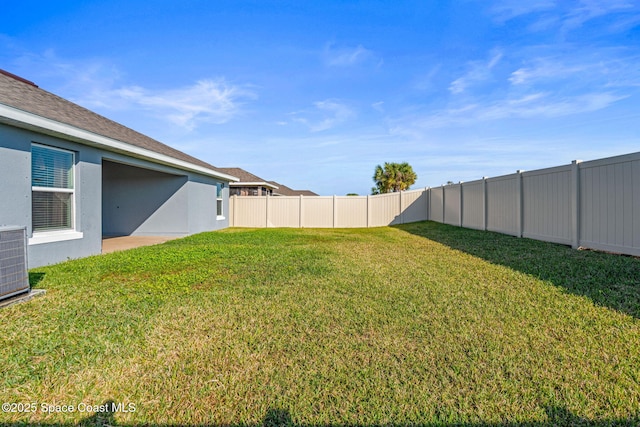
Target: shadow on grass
<point x="35" y="278"/>
<point x="608" y="280"/>
<point x="556" y="416"/>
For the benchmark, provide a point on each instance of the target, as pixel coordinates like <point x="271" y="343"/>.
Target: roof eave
<point x="23" y="119"/>
<point x="253" y="184"/>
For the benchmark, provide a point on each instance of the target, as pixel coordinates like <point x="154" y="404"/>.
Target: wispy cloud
<point x="604" y="68"/>
<point x="97" y="83"/>
<point x="336" y="56"/>
<point x="535" y="105"/>
<point x="544" y="69"/>
<point x="378" y="106"/>
<point x="479" y="71"/>
<point x="206" y="101"/>
<point x="547" y="106"/>
<point x="71" y="77"/>
<point x="505" y="10"/>
<point x="587" y="10"/>
<point x="568" y="15"/>
<point x="325" y="115"/>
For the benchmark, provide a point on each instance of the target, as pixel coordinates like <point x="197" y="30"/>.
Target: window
<point x="52" y="189"/>
<point x="219" y="210"/>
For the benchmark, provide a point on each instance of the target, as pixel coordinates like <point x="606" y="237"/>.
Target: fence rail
<point x="594" y="204"/>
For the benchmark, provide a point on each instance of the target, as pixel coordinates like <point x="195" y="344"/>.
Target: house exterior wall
<point x="139" y="201"/>
<point x="15" y="170"/>
<point x="201" y="195"/>
<point x="189" y="207"/>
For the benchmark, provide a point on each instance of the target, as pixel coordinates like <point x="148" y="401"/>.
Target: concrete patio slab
<point x="113" y="244"/>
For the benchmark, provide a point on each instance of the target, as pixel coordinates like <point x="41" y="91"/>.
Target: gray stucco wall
<point x="138" y="201"/>
<point x="156" y="199"/>
<point x="15" y="173"/>
<point x="202" y="205"/>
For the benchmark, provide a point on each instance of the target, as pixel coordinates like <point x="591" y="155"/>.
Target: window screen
<point x="52" y="188"/>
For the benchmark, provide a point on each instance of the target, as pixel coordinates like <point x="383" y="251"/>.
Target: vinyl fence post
<point x="335" y="211"/>
<point x="234" y="214"/>
<point x="401" y="209"/>
<point x="460" y="213"/>
<point x="266" y="208"/>
<point x="444" y="204"/>
<point x="575" y="204"/>
<point x="519" y="205"/>
<point x="485" y="204"/>
<point x="427" y="200"/>
<point x="368" y="211"/>
<point x="301" y="210"/>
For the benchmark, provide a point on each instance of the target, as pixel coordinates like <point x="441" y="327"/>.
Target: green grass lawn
<point x="421" y="324"/>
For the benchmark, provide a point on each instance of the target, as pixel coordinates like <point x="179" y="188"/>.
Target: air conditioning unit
<point x="14" y="278"/>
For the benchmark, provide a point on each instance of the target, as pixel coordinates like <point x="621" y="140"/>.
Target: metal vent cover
<point x="14" y="278"/>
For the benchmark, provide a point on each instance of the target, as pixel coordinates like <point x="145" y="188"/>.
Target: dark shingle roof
<point x="24" y="95"/>
<point x="279" y="189"/>
<point x="283" y="190"/>
<point x="243" y="175"/>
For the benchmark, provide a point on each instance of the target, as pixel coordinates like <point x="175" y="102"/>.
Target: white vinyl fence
<point x="329" y="211"/>
<point x="593" y="204"/>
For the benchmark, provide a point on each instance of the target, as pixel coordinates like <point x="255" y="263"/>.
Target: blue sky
<point x="315" y="94"/>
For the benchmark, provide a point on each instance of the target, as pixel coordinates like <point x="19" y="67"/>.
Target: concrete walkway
<point x="113" y="244"/>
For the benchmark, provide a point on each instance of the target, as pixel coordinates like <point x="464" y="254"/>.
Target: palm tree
<point x="393" y="177"/>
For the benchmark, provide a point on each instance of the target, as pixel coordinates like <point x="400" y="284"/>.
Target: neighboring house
<point x="72" y="176"/>
<point x="252" y="185"/>
<point x="248" y="184"/>
<point x="283" y="190"/>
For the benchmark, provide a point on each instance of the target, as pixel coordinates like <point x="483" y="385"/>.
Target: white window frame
<point x="48" y="236"/>
<point x="220" y="200"/>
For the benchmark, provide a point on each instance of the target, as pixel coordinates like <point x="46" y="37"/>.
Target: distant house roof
<point x="24" y="104"/>
<point x="283" y="190"/>
<point x="247" y="178"/>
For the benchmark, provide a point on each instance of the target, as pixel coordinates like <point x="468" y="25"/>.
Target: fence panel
<point x="351" y="212"/>
<point x="473" y="205"/>
<point x="436" y="204"/>
<point x="284" y="212"/>
<point x="452" y="205"/>
<point x="546" y="204"/>
<point x="249" y="211"/>
<point x="317" y="212"/>
<point x="610" y="204"/>
<point x="385" y="209"/>
<point x="503" y="204"/>
<point x="415" y="204"/>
